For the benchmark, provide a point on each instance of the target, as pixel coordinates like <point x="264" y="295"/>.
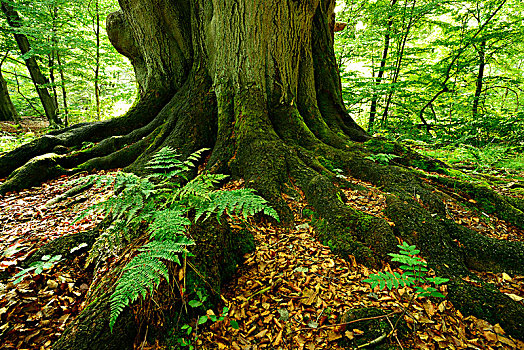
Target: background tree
<point x="431" y="41"/>
<point x="39" y="80"/>
<point x="63" y="36"/>
<point x="7" y="109"/>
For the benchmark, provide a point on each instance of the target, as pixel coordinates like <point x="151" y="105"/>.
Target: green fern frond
<point x="141" y="276"/>
<point x="168" y="250"/>
<point x="139" y="201"/>
<point x="200" y="187"/>
<point x="242" y="202"/>
<point x="145" y="272"/>
<point x="169" y="223"/>
<point x="165" y="163"/>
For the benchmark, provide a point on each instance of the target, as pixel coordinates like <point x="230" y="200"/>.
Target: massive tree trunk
<point x="257" y="82"/>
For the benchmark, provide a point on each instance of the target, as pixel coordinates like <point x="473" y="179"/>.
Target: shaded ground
<point x="34" y="124"/>
<point x="291" y="293"/>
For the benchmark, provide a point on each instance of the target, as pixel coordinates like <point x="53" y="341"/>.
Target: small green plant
<point x="414" y="274"/>
<point x="382" y="158"/>
<point x="46" y="263"/>
<point x="186" y="340"/>
<point x="166" y="204"/>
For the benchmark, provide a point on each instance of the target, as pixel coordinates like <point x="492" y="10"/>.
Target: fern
<point x="165" y="163"/>
<point x="168" y="222"/>
<point x="415" y="273"/>
<point x="164" y="207"/>
<point x="141" y="275"/>
<point x="243" y="202"/>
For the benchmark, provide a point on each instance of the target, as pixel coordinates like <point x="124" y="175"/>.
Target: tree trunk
<point x="480" y="78"/>
<point x="63" y="86"/>
<point x="96" y="29"/>
<point x="398" y="64"/>
<point x="7" y="109"/>
<point x="256" y="82"/>
<point x="374" y="98"/>
<point x="14" y="20"/>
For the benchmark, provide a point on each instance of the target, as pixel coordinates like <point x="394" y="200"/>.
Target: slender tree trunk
<point x="39" y="80"/>
<point x="52" y="54"/>
<point x="480" y="78"/>
<point x="96" y="29"/>
<point x="398" y="64"/>
<point x="378" y="81"/>
<point x="7" y="108"/>
<point x="63" y="86"/>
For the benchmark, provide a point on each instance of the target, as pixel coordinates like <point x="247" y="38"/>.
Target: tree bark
<point x="480" y="78"/>
<point x="7" y="108"/>
<point x="39" y="80"/>
<point x="256" y="82"/>
<point x="63" y="87"/>
<point x="398" y="63"/>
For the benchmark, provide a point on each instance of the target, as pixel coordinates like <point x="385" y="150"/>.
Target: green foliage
<point x="46" y="263"/>
<point x="10" y="141"/>
<point x="414" y="274"/>
<point x="431" y="68"/>
<point x="476" y="158"/>
<point x="162" y="202"/>
<point x="382" y="158"/>
<point x="63" y="39"/>
<point x="198" y="304"/>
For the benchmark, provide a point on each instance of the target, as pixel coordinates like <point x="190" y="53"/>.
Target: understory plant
<point x="164" y="204"/>
<point x="209" y="316"/>
<point x="415" y="273"/>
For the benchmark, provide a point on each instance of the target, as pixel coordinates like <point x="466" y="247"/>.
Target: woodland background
<point x="444" y="73"/>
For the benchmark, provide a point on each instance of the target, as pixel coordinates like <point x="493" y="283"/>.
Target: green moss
<point x="241" y="243"/>
<point x="421" y="164"/>
<point x="377" y="145"/>
<point x="326" y="163"/>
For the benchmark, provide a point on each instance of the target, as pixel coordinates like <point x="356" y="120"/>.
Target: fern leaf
<point x="169" y="223"/>
<point x="242" y="202"/>
<point x="167" y="250"/>
<point x="141" y="275"/>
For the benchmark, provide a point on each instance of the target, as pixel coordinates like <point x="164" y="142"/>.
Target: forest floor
<point x="292" y="292"/>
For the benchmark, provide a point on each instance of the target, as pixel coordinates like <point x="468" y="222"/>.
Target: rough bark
<point x="257" y="82"/>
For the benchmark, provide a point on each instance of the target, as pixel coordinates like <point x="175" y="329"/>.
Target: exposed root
<point x="74" y="136"/>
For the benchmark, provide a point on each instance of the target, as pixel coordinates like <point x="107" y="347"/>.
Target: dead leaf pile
<point x="368" y="198"/>
<point x="35" y="312"/>
<point x="487" y="225"/>
<point x="293" y="293"/>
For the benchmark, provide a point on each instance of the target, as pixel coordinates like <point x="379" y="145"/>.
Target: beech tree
<point x="39" y="80"/>
<point x="256" y="82"/>
<point x="7" y="109"/>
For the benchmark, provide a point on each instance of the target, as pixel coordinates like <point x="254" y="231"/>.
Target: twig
<point x="265" y="289"/>
<point x="398" y="341"/>
<point x="374" y="341"/>
<point x="349" y="322"/>
<point x="145" y="339"/>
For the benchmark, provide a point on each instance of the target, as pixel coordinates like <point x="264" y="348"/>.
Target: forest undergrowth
<point x="292" y="292"/>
